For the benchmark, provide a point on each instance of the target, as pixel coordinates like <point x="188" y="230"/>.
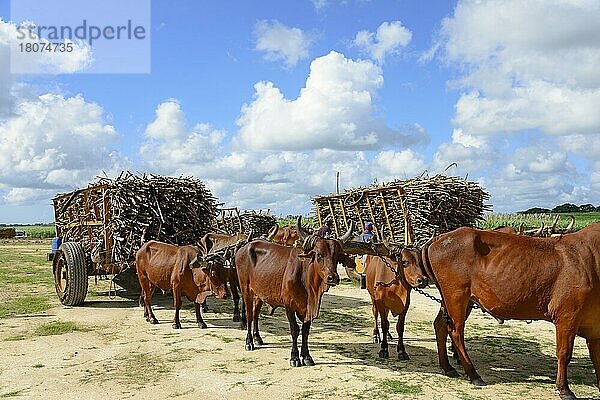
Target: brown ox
<point x="390" y="291"/>
<point x="291" y="278"/>
<point x="286" y="235"/>
<point x="515" y="277"/>
<point x="212" y="243"/>
<point x="170" y="267"/>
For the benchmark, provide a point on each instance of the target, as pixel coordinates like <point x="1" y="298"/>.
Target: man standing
<point x="367" y="235"/>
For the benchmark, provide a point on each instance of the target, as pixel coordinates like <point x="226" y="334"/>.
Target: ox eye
<point x="319" y="258"/>
<point x="404" y="264"/>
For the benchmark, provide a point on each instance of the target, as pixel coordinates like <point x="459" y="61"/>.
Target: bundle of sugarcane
<point x="407" y="211"/>
<point x="257" y="222"/>
<point x="132" y="209"/>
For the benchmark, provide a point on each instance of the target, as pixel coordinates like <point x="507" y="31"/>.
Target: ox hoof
<point x="568" y="396"/>
<point x="250" y="346"/>
<point x="308" y="361"/>
<point x="202" y="325"/>
<point x="295" y="362"/>
<point x="384" y="353"/>
<point x="153" y="321"/>
<point x="258" y="340"/>
<point x="176" y="326"/>
<point x="452" y="373"/>
<point x="478" y="382"/>
<point x="204" y="308"/>
<point x="376" y="339"/>
<point x="403" y="356"/>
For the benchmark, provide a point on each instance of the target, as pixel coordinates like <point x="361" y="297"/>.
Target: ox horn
<point x="553" y="226"/>
<point x="272" y="233"/>
<point x="569" y="227"/>
<point x="302" y="233"/>
<point x="346" y="236"/>
<point x="539" y="231"/>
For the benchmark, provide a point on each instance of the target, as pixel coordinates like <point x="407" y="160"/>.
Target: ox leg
<point x="458" y="308"/>
<point x="147" y="292"/>
<point x="565" y="338"/>
<point x="376" y="337"/>
<point x="402" y="354"/>
<point x="204" y="306"/>
<point x="199" y="320"/>
<point x="306" y="358"/>
<point x="244" y="323"/>
<point x="457" y="333"/>
<point x="441" y="333"/>
<point x="177" y="304"/>
<point x="256" y="334"/>
<point x="233" y="284"/>
<point x="385" y="329"/>
<point x="294" y="332"/>
<point x="249" y="299"/>
<point x="594" y="349"/>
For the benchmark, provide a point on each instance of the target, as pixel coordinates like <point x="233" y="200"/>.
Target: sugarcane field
<point x="318" y="199"/>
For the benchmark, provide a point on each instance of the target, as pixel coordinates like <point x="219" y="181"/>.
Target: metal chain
<point x="394" y="270"/>
<point x="429" y="296"/>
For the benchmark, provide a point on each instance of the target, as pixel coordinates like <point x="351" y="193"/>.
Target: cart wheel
<point x="352" y="274"/>
<point x="70" y="274"/>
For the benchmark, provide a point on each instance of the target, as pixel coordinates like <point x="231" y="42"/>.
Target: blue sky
<point x="265" y="101"/>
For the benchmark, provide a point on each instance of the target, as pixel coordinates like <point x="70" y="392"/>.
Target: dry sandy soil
<point x="114" y="354"/>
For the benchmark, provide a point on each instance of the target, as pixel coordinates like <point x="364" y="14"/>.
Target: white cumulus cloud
<point x="334" y="110"/>
<point x="527" y="65"/>
<point x="388" y="38"/>
<point x="54" y="143"/>
<point x="172" y="147"/>
<point x="282" y="43"/>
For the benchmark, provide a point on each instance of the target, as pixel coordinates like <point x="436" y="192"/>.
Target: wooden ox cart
<point x="407" y="212"/>
<point x="102" y="226"/>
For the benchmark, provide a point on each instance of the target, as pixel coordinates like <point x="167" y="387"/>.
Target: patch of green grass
<point x="26" y="280"/>
<point x="14" y="393"/>
<point x="133" y="370"/>
<point x="59" y="328"/>
<point x="225" y="339"/>
<point x="393" y="386"/>
<point x="14" y="338"/>
<point x="24" y="305"/>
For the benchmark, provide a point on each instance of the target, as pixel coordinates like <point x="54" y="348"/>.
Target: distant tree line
<point x="563" y="208"/>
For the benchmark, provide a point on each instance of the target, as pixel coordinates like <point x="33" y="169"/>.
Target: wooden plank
<point x="377" y="234"/>
<point x="333" y="218"/>
<point x="385" y="213"/>
<point x="362" y="223"/>
<point x="343" y="213"/>
<point x="408" y="234"/>
<point x="318" y="214"/>
<point x="86" y="210"/>
<point x="108" y="239"/>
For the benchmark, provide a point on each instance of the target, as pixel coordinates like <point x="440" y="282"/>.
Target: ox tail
<point x="427" y="263"/>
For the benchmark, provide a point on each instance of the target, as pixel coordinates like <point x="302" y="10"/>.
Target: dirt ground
<point x="110" y="352"/>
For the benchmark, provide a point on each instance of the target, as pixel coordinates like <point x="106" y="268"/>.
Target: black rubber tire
<point x="352" y="274"/>
<point x="71" y="256"/>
